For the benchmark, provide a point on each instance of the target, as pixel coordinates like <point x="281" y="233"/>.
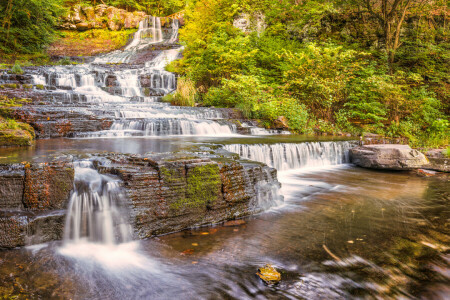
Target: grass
<point x="88" y="43"/>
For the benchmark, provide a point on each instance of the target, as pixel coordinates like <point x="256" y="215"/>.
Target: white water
<point x="165" y="127"/>
<point x="294" y="156"/>
<point x="95" y="212"/>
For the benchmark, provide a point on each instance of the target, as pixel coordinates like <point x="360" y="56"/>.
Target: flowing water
<point x="341" y="232"/>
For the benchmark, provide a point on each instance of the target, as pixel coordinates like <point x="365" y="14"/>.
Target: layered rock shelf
<point x="165" y="193"/>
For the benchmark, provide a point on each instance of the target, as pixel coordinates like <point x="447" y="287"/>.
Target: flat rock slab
<point x="387" y="157"/>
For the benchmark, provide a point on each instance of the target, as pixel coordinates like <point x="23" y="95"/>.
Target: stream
<point x="335" y="231"/>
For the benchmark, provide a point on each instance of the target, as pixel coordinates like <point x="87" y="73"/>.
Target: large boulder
<point x="387" y="157"/>
<point x="438" y="161"/>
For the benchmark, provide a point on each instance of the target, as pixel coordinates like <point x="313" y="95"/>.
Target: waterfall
<point x="165" y="127"/>
<point x="94" y="212"/>
<point x="268" y="191"/>
<point x="284" y="156"/>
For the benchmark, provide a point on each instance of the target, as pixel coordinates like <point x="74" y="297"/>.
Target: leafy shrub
<point x="16" y="69"/>
<point x="185" y="94"/>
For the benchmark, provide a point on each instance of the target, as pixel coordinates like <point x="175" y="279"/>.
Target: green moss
<point x="203" y="184"/>
<point x="27" y="86"/>
<point x="13" y="133"/>
<point x="147" y="92"/>
<point x="39" y="86"/>
<point x="10" y="85"/>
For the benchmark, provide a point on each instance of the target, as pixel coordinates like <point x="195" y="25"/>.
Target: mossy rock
<point x="15" y="137"/>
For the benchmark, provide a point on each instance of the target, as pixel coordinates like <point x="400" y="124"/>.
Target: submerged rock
<point x="387" y="157"/>
<point x="269" y="274"/>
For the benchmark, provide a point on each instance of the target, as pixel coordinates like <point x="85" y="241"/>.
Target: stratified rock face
<point x="171" y="195"/>
<point x="438" y="161"/>
<point x="166" y="193"/>
<point x="387" y="157"/>
<point x="32" y="197"/>
<point x="12" y="178"/>
<point x="19" y="228"/>
<point x="48" y="186"/>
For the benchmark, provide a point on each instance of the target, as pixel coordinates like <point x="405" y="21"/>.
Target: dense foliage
<point x="327" y="66"/>
<point x="27" y="26"/>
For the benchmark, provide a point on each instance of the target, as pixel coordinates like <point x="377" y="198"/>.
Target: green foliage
<point x="16" y="69"/>
<point x="64" y="61"/>
<point x="185" y="94"/>
<point x="27" y="26"/>
<point x="320" y="67"/>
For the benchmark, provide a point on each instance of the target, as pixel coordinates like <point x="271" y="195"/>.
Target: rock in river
<point x="387" y="157"/>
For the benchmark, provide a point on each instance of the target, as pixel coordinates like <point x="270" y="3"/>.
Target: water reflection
<point x="344" y="233"/>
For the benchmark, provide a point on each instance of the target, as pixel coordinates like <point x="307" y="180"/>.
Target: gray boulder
<point x="387" y="157"/>
<point x="438" y="161"/>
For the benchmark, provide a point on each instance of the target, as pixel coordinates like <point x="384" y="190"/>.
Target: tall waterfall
<point x="150" y="32"/>
<point x="95" y="213"/>
<point x="285" y="156"/>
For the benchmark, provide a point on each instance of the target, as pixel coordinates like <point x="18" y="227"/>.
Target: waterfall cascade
<point x="285" y="156"/>
<point x="132" y="94"/>
<point x="95" y="213"/>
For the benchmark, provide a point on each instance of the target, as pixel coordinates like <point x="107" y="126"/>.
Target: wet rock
<point x="174" y="193"/>
<point x="20" y="228"/>
<point x="388" y="157"/>
<point x="48" y="186"/>
<point x="269" y="274"/>
<point x="438" y="161"/>
<point x="12" y="179"/>
<point x="50" y="122"/>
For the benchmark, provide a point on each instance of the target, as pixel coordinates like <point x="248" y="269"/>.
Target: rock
<point x="15" y="137"/>
<point x="387" y="157"/>
<point x="76" y="15"/>
<point x="89" y="13"/>
<point x="12" y="178"/>
<point x="48" y="186"/>
<point x="100" y="10"/>
<point x="83" y="26"/>
<point x="438" y="161"/>
<point x="171" y="194"/>
<point x="19" y="228"/>
<point x="281" y="123"/>
<point x="269" y="274"/>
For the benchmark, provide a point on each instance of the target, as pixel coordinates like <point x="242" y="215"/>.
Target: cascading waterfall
<point x="284" y="156"/>
<point x="165" y="127"/>
<point x="95" y="213"/>
<point x="268" y="191"/>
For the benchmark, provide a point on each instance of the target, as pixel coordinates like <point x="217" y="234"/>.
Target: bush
<point x="185" y="95"/>
<point x="16" y="69"/>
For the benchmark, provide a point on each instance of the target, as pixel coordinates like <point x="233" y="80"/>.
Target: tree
<point x="391" y="15"/>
